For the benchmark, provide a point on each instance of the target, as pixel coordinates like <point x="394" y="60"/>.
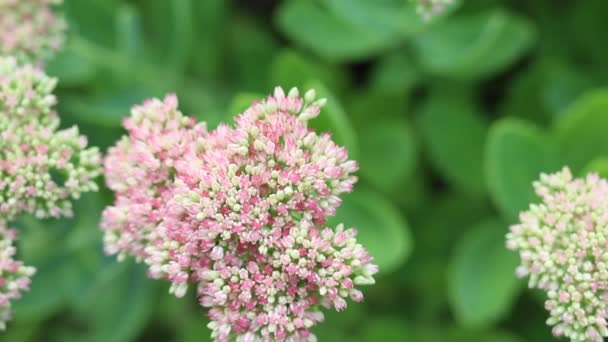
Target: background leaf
<point x="454" y="132"/>
<point x="481" y="281"/>
<point x="476" y="46"/>
<point x="381" y="228"/>
<point x="516" y="154"/>
<point x="581" y="131"/>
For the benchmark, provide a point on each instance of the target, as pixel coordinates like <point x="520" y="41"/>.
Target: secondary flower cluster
<point x="240" y="212"/>
<point x="14" y="276"/>
<point x="41" y="168"/>
<point x="562" y="244"/>
<point x="29" y="30"/>
<point x="430" y="8"/>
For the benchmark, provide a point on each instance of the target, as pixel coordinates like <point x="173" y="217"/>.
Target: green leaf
<point x="388" y="156"/>
<point x="69" y="68"/>
<point x="291" y="69"/>
<point x="58" y="274"/>
<point x="382" y="229"/>
<point x="390" y="18"/>
<point x="599" y="166"/>
<point x="109" y="108"/>
<point x="333" y="119"/>
<point x="581" y="132"/>
<point x="86" y="17"/>
<point x="210" y="22"/>
<point x="482" y="283"/>
<point x="194" y="330"/>
<point x="252" y="49"/>
<point x="128" y="297"/>
<point x="454" y="133"/>
<point x="516" y="154"/>
<point x="563" y="85"/>
<point x="474" y="47"/>
<point x="386" y="329"/>
<point x="169" y="25"/>
<point x="129" y="31"/>
<point x="394" y="73"/>
<point x="327" y="34"/>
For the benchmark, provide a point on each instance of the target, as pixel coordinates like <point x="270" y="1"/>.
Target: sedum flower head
<point x="562" y="244"/>
<point x="29" y="30"/>
<point x="242" y="215"/>
<point x="430" y="8"/>
<point x="41" y="167"/>
<point x="14" y="276"/>
<point x="140" y="169"/>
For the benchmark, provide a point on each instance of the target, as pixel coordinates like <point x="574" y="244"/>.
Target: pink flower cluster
<point x="240" y="212"/>
<point x="562" y="243"/>
<point x="29" y="30"/>
<point x="14" y="276"/>
<point x="41" y="168"/>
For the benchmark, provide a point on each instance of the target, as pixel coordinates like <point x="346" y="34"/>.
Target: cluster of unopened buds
<point x="431" y="8"/>
<point x="30" y="30"/>
<point x="562" y="244"/>
<point x="41" y="168"/>
<point x="240" y="212"/>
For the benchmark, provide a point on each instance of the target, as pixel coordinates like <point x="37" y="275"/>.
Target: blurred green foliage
<point x="451" y="121"/>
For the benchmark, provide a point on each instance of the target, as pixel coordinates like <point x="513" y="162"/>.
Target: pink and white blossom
<point x="42" y="167"/>
<point x="239" y="211"/>
<point x="562" y="245"/>
<point x="30" y="30"/>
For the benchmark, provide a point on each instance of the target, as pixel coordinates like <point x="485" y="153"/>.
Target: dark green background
<point x="450" y="120"/>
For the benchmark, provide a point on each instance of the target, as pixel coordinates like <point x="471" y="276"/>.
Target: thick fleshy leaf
<point x="388" y="156"/>
<point x="474" y="47"/>
<point x="581" y="132"/>
<point x="516" y="154"/>
<point x="331" y="36"/>
<point x="382" y="229"/>
<point x="454" y="132"/>
<point x="482" y="283"/>
<point x="599" y="166"/>
<point x="128" y="296"/>
<point x="386" y="329"/>
<point x="291" y="69"/>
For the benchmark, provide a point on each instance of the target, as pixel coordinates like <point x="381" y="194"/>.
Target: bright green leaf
<point x="476" y="46"/>
<point x="599" y="166"/>
<point x="455" y="132"/>
<point x="128" y="297"/>
<point x="386" y="329"/>
<point x="291" y="69"/>
<point x="482" y="283"/>
<point x="388" y="156"/>
<point x="328" y="35"/>
<point x="581" y="132"/>
<point x="516" y="154"/>
<point x="382" y="229"/>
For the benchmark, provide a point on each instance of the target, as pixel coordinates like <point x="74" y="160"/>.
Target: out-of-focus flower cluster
<point x="562" y="244"/>
<point x="240" y="212"/>
<point x="430" y="8"/>
<point x="41" y="168"/>
<point x="14" y="276"/>
<point x="29" y="30"/>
